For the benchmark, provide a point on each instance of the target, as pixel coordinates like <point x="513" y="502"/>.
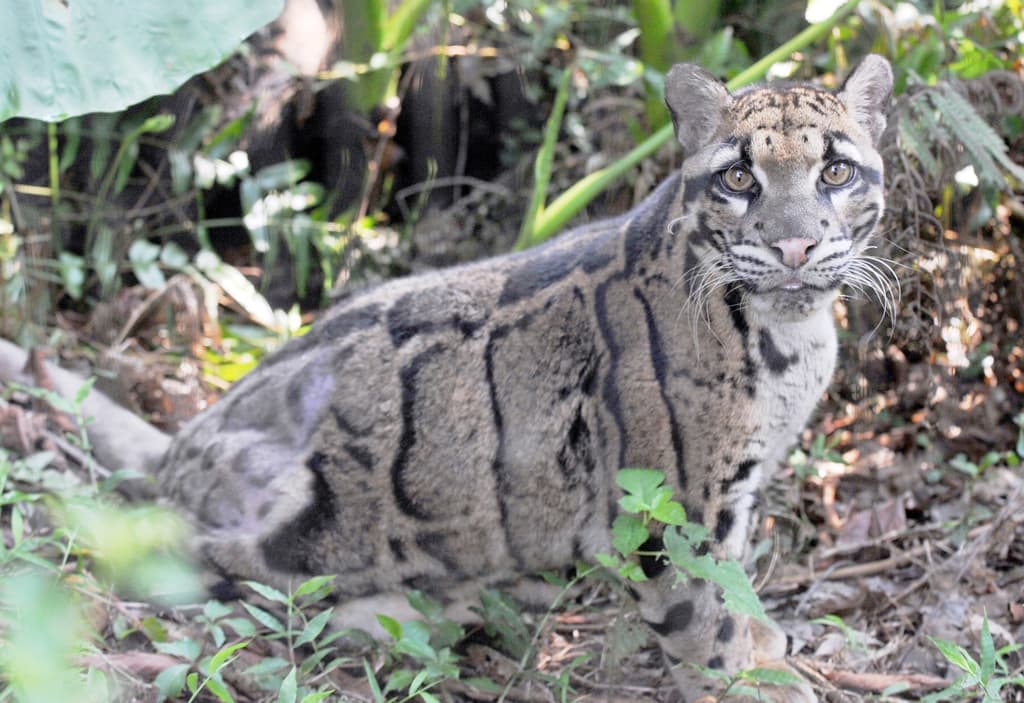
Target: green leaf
<point x="220" y="690"/>
<point x="312" y="585"/>
<point x="264" y="618"/>
<point x="17" y="524"/>
<point x="399" y="680"/>
<point x="988" y="652"/>
<point x="153" y="629"/>
<point x="961" y="463"/>
<point x="316" y="697"/>
<point x="58" y="56"/>
<point x="157" y="124"/>
<point x="289" y="688"/>
<point x="72" y="270"/>
<point x="989" y="460"/>
<point x="83" y="390"/>
<point x="743" y="692"/>
<point x="771" y="677"/>
<point x="956" y="655"/>
<point x="238" y="287"/>
<point x="483" y="684"/>
<point x="241" y="626"/>
<point x="186" y="649"/>
<point x="271" y="594"/>
<point x="415" y="647"/>
<point x="173" y="256"/>
<point x="143" y="251"/>
<point x="632" y="571"/>
<point x="430" y="609"/>
<point x="149" y="274"/>
<point x="215" y="610"/>
<point x="128" y="154"/>
<point x="220" y="659"/>
<point x="418" y="681"/>
<point x="727" y="574"/>
<point x="217" y="633"/>
<point x="640" y="482"/>
<point x="447" y="633"/>
<point x="670" y="513"/>
<point x="314" y="627"/>
<point x="268" y="666"/>
<point x="633" y="504"/>
<point x="628" y="534"/>
<point x="281" y="175"/>
<point x="391" y="626"/>
<point x="171" y="681"/>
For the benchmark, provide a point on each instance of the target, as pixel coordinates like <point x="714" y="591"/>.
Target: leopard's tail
<point x="119" y="438"/>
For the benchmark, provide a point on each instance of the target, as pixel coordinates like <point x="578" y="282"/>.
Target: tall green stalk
<point x="372" y="38"/>
<point x="542" y="166"/>
<point x="52" y="145"/>
<point x="552" y="218"/>
<point x="659" y="49"/>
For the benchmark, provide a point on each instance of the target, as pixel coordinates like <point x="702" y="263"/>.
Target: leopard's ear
<point x="866" y="94"/>
<point x="698" y="102"/>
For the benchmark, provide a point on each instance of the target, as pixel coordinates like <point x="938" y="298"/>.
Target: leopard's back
<point x="433" y="430"/>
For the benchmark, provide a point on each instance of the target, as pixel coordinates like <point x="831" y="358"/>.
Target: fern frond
<point x="933" y="132"/>
<point x="914" y="141"/>
<point x="982" y="142"/>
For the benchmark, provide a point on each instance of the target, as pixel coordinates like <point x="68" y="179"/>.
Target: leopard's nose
<point x="794" y="250"/>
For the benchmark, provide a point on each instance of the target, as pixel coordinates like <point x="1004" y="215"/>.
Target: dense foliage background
<point x="174" y="243"/>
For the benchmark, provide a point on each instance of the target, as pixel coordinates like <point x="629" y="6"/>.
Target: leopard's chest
<point x="795" y="361"/>
<point x="793" y="365"/>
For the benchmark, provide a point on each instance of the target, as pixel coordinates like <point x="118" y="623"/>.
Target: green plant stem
<point x="656" y="29"/>
<point x="552" y="218"/>
<point x="698" y="18"/>
<point x="658" y="50"/>
<point x="542" y="166"/>
<point x="368" y="32"/>
<point x="52" y="146"/>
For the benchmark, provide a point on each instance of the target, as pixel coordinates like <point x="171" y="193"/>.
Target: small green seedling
<point x="985" y="678"/>
<point x="648" y="502"/>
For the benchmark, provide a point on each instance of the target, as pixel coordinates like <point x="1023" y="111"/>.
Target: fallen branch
<point x="838" y="573"/>
<point x="876" y="683"/>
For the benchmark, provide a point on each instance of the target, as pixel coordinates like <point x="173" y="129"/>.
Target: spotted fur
<point x="465" y="426"/>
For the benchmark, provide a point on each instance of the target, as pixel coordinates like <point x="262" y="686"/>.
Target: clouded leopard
<point x="465" y="426"/>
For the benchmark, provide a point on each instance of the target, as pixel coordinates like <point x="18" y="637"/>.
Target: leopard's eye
<point x="737" y="178"/>
<point x="837" y="173"/>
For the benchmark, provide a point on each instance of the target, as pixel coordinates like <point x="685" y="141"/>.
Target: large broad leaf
<point x="60" y="58"/>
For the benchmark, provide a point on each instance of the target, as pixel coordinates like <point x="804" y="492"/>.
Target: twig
<point x="860" y="570"/>
<point x="138" y="313"/>
<point x="443" y="182"/>
<point x="37" y="362"/>
<point x="866" y="681"/>
<point x="1008" y="512"/>
<point x="82" y="458"/>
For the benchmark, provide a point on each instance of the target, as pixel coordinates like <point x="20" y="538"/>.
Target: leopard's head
<point x="783" y="186"/>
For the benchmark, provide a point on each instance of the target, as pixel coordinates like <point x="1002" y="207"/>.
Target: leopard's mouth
<point x="796" y="284"/>
<point x="792" y="297"/>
